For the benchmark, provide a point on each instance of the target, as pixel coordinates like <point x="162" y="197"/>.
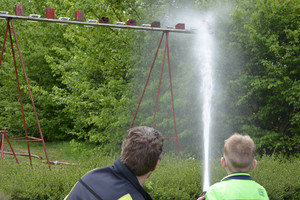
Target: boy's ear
<point x="155" y="165"/>
<point x="223" y="162"/>
<point x="254" y="164"/>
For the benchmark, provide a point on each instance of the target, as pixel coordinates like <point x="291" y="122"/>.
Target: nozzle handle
<point x="202" y="194"/>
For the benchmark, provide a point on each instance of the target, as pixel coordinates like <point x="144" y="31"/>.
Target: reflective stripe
<point x="90" y="189"/>
<point x="126" y="197"/>
<point x="69" y="192"/>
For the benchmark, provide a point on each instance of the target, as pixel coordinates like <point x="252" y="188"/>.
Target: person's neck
<point x="143" y="178"/>
<point x="237" y="172"/>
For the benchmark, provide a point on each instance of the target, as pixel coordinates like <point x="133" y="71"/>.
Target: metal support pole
<point x="2" y="145"/>
<point x="30" y="94"/>
<point x="9" y="21"/>
<point x="166" y="52"/>
<point x="3" y="47"/>
<point x="173" y="107"/>
<point x="160" y="78"/>
<point x="19" y="89"/>
<point x="147" y="80"/>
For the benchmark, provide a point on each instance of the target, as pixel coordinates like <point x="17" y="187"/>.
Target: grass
<point x="21" y="181"/>
<point x="57" y="151"/>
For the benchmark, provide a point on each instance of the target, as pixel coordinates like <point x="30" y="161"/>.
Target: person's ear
<point x="155" y="165"/>
<point x="254" y="164"/>
<point x="121" y="153"/>
<point x="223" y="162"/>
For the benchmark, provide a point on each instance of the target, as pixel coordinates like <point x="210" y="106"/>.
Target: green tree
<point x="36" y="40"/>
<point x="266" y="89"/>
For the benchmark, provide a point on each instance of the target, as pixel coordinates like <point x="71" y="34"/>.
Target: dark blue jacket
<point x="109" y="183"/>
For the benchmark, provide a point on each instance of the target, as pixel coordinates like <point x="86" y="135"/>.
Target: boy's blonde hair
<point x="239" y="152"/>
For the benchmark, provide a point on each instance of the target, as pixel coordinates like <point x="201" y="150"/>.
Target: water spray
<point x="205" y="39"/>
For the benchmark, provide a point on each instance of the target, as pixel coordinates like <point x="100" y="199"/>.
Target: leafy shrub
<point x="279" y="176"/>
<point x="181" y="179"/>
<point x="175" y="179"/>
<point x="26" y="183"/>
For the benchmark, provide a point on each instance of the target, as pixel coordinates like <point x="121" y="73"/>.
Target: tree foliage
<point x="265" y="88"/>
<point x="86" y="82"/>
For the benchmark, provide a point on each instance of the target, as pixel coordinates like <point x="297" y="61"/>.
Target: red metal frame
<point x="27" y="138"/>
<point x="166" y="52"/>
<point x="3" y="134"/>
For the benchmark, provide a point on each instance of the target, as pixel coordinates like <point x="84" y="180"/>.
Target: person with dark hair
<point x="141" y="150"/>
<point x="238" y="159"/>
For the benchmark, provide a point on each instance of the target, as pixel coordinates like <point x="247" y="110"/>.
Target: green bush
<point x="181" y="179"/>
<point x="26" y="183"/>
<point x="279" y="176"/>
<point x="174" y="179"/>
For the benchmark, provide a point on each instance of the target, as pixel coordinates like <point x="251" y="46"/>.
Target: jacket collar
<point x="238" y="176"/>
<point x="131" y="177"/>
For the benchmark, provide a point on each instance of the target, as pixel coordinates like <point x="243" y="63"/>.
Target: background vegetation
<point x="86" y="82"/>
